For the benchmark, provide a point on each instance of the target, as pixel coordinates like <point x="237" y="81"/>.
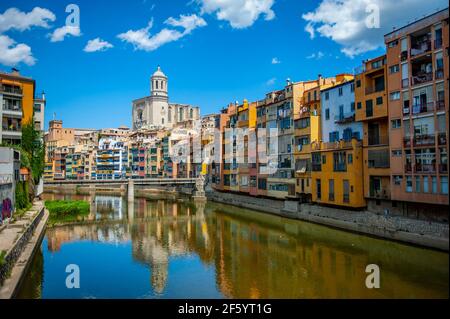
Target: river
<point x="165" y="248"/>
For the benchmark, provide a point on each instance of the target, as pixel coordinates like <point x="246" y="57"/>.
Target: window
<point x="358" y="83"/>
<point x="418" y="184"/>
<point x="334" y="136"/>
<point x="393" y="44"/>
<point x="339" y="162"/>
<point x="394" y="69"/>
<point x="396" y="153"/>
<point x="350" y="158"/>
<point x="434" y="184"/>
<point x="425" y="184"/>
<point x="331" y="190"/>
<point x="341" y="91"/>
<point x="397" y="180"/>
<point x="394" y="96"/>
<point x="327" y="114"/>
<point x="409" y="185"/>
<point x="379" y="100"/>
<point x="318" y="189"/>
<point x="327" y="96"/>
<point x="352" y="106"/>
<point x="324" y="159"/>
<point x="352" y="87"/>
<point x="444" y="185"/>
<point x="397" y="123"/>
<point x="358" y="105"/>
<point x="346" y="187"/>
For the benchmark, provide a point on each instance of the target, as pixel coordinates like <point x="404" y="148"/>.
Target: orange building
<point x="17" y="101"/>
<point x="372" y="110"/>
<point x="417" y="62"/>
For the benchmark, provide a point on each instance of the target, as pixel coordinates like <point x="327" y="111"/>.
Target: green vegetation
<point x="66" y="211"/>
<point x="2" y="257"/>
<point x="32" y="153"/>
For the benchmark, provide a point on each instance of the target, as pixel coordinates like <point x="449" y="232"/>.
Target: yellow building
<point x="337" y="174"/>
<point x="337" y="159"/>
<point x="372" y="111"/>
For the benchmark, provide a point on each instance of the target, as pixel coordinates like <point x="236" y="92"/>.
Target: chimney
<point x="43" y="95"/>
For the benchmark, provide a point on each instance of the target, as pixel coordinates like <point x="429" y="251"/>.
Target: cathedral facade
<point x="155" y="111"/>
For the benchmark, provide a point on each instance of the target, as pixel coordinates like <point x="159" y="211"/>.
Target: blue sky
<point x="225" y="55"/>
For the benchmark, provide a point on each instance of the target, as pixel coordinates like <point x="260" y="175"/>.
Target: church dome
<point x="159" y="73"/>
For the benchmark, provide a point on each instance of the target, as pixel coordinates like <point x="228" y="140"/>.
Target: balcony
<point x="420" y="47"/>
<point x="378" y="140"/>
<point x="424" y="140"/>
<point x="10" y="89"/>
<point x="421" y="78"/>
<point x="374" y="89"/>
<point x="425" y="107"/>
<point x="406" y="111"/>
<point x="344" y="118"/>
<point x="425" y="168"/>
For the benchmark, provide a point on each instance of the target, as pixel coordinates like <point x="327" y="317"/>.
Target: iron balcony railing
<point x="425" y="168"/>
<point x="422" y="78"/>
<point x="8" y="89"/>
<point x="420" y="48"/>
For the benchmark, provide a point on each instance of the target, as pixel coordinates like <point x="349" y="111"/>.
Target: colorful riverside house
<point x="112" y="157"/>
<point x="307" y="130"/>
<point x="261" y="139"/>
<point x="219" y="167"/>
<point x="230" y="165"/>
<point x="371" y="101"/>
<point x="418" y="64"/>
<point x="137" y="159"/>
<point x="17" y="94"/>
<point x="337" y="161"/>
<point x="246" y="148"/>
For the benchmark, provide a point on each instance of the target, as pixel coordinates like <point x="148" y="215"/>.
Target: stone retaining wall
<point x="16" y="250"/>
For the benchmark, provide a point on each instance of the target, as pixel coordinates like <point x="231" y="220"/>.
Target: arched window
<point x="191" y="113"/>
<point x="139" y="115"/>
<point x="169" y="115"/>
<point x="162" y="120"/>
<point x="181" y="114"/>
<point x="162" y="85"/>
<point x="157" y="85"/>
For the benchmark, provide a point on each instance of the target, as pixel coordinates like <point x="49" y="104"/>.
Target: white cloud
<point x="12" y="54"/>
<point x="275" y="61"/>
<point x="344" y="21"/>
<point x="239" y="13"/>
<point x="143" y="40"/>
<point x="59" y="34"/>
<point x="271" y="81"/>
<point x="18" y="20"/>
<point x="317" y="56"/>
<point x="97" y="44"/>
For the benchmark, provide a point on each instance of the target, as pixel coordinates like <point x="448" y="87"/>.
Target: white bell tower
<point x="159" y="84"/>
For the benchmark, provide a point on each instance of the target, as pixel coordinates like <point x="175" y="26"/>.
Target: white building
<point x="155" y="111"/>
<point x="338" y="113"/>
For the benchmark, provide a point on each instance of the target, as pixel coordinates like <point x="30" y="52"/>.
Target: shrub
<point x="67" y="210"/>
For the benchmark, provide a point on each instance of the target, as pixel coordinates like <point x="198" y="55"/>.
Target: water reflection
<point x="166" y="248"/>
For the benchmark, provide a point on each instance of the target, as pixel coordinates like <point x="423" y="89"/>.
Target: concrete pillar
<point x="130" y="190"/>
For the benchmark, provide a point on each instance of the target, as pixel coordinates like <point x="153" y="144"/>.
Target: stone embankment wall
<point x="13" y="254"/>
<point x="412" y="231"/>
